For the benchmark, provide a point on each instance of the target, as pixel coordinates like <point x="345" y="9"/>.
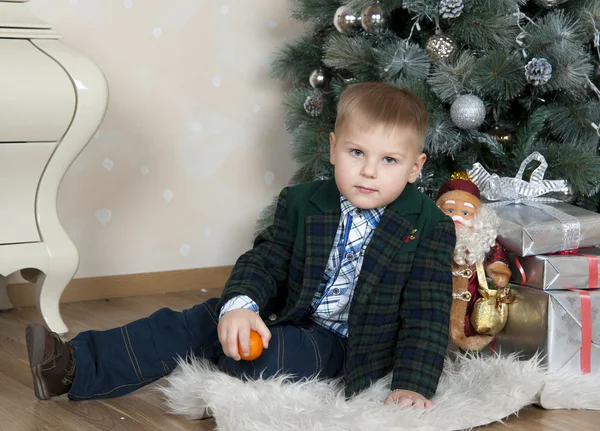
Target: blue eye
<point x="389" y="160"/>
<point x="357" y="153"/>
<point x="450" y="211"/>
<point x="465" y="213"/>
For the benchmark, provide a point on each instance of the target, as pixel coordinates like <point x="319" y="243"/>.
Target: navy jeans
<point x="121" y="360"/>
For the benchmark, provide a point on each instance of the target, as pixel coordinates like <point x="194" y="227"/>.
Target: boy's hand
<point x="236" y="325"/>
<point x="408" y="399"/>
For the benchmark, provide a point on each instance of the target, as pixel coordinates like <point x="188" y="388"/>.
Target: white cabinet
<point x="52" y="100"/>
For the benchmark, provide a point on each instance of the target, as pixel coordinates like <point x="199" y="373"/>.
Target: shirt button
<point x="272" y="317"/>
<point x="350" y="257"/>
<point x="359" y="212"/>
<point x="335" y="291"/>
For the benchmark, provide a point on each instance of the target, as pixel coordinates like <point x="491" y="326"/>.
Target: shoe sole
<point x="35" y="336"/>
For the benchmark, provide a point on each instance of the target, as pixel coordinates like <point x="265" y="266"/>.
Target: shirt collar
<point x="371" y="215"/>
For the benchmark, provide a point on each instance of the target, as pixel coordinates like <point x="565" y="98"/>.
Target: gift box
<point x="557" y="272"/>
<point x="528" y="230"/>
<point x="563" y="326"/>
<point x="532" y="222"/>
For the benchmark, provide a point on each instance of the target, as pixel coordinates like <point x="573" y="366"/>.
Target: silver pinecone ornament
<point x="451" y="8"/>
<point x="538" y="71"/>
<point x="313" y="105"/>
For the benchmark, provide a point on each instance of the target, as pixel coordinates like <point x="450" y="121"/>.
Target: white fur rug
<point x="473" y="391"/>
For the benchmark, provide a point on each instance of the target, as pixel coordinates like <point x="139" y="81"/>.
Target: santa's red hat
<point x="458" y="182"/>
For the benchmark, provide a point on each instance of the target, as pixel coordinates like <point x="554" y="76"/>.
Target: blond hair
<point x="379" y="103"/>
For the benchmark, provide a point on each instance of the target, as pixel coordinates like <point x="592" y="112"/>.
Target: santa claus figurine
<point x="479" y="309"/>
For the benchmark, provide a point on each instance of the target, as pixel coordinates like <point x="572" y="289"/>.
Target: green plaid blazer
<point x="399" y="315"/>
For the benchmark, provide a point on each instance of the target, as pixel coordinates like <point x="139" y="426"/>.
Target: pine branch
<point x="558" y="29"/>
<point x="319" y="11"/>
<point x="587" y="13"/>
<point x="423" y="92"/>
<point x="560" y="39"/>
<point x="572" y="124"/>
<point x="296" y="115"/>
<point x="355" y="54"/>
<point x="499" y="76"/>
<point x="570" y="72"/>
<point x="526" y="137"/>
<point x="580" y="168"/>
<point x="359" y="5"/>
<point x="442" y="137"/>
<point x="451" y="79"/>
<point x="465" y="159"/>
<point x="296" y="60"/>
<point x="422" y="9"/>
<point x="310" y="145"/>
<point x="495" y="148"/>
<point x="486" y="25"/>
<point x="402" y="62"/>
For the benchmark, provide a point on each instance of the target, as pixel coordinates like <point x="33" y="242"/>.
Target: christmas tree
<point x="500" y="79"/>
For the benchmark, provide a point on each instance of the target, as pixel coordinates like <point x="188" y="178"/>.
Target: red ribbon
<point x="522" y="271"/>
<point x="593" y="270"/>
<point x="586" y="330"/>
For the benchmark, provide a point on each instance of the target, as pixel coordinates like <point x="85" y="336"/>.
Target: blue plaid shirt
<point x="331" y="304"/>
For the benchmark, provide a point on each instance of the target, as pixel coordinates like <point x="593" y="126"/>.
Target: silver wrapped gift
<point x="551" y="322"/>
<point x="531" y="221"/>
<point x="557" y="272"/>
<point x="528" y="230"/>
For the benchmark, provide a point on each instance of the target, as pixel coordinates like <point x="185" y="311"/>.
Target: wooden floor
<point x="143" y="410"/>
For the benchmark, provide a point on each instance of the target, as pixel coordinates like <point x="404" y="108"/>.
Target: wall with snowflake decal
<point x="192" y="146"/>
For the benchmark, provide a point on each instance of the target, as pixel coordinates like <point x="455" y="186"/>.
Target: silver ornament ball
<point x="549" y="4"/>
<point x="317" y="79"/>
<point x="345" y="21"/>
<point x="374" y="19"/>
<point x="440" y="47"/>
<point x="467" y="112"/>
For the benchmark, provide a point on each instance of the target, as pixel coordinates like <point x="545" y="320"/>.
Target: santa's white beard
<point x="472" y="244"/>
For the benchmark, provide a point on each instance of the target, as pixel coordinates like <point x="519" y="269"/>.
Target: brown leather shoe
<point x="52" y="362"/>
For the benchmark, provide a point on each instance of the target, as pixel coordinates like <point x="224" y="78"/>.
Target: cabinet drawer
<point x="21" y="167"/>
<point x="37" y="100"/>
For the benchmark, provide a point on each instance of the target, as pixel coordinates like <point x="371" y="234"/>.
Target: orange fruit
<point x="256" y="347"/>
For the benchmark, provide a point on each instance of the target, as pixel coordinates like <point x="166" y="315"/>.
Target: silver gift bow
<point x="506" y="191"/>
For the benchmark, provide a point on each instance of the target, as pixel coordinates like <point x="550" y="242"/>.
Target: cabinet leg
<point x="5" y="303"/>
<point x="50" y="287"/>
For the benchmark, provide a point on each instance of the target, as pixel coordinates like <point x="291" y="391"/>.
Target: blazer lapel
<point x="387" y="240"/>
<point x="320" y="226"/>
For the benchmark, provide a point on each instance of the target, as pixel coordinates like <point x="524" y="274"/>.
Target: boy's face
<point x="372" y="167"/>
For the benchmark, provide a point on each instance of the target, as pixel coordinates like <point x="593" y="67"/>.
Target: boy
<point x="352" y="279"/>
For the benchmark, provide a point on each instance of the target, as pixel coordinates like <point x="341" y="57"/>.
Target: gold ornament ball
<point x="317" y="79"/>
<point x="501" y="135"/>
<point x="345" y="21"/>
<point x="374" y="19"/>
<point x="440" y="47"/>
